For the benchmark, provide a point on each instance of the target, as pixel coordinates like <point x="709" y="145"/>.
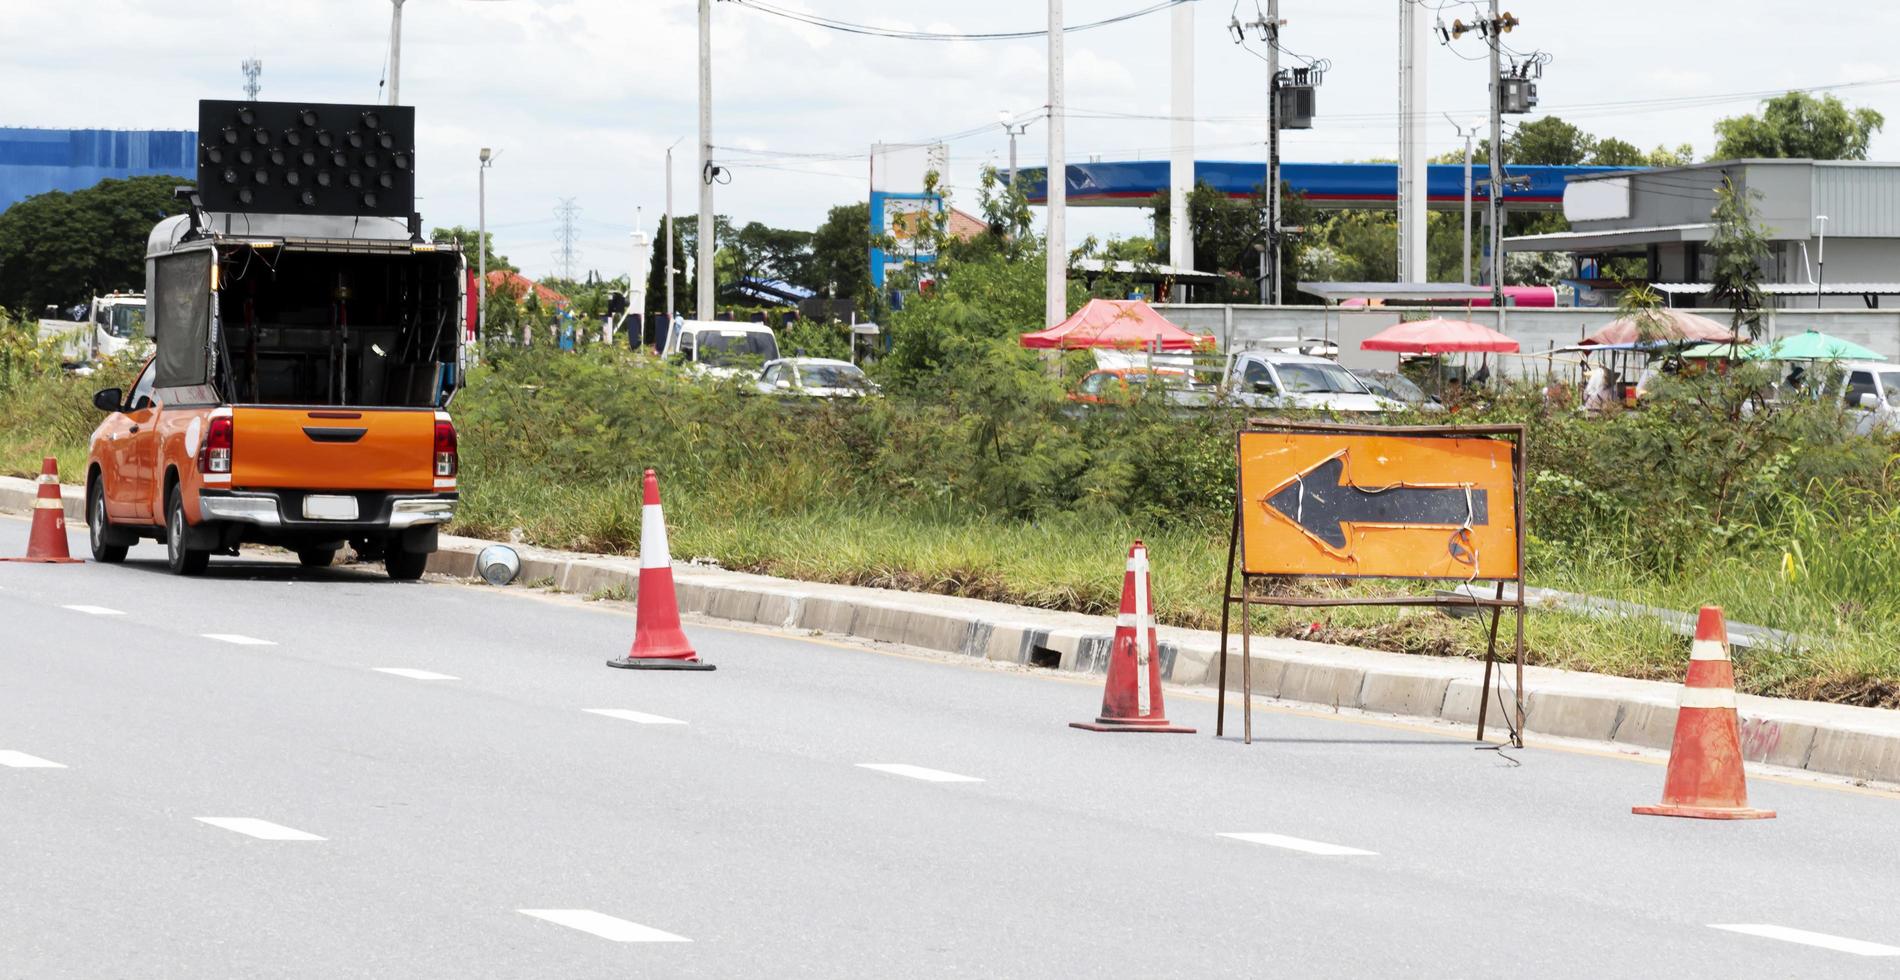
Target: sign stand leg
<point x="1490" y="654"/>
<point x="1246" y="663"/>
<point x="1226" y="606"/>
<point x="1518" y="739"/>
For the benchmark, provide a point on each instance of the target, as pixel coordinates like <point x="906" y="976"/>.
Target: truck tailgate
<point x="333" y="448"/>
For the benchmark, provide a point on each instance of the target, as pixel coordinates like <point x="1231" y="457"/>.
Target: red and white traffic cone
<point x="658" y="641"/>
<point x="1705" y="761"/>
<point x="46" y="542"/>
<point x="1131" y="700"/>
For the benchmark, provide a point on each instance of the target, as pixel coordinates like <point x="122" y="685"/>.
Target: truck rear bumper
<point x="377" y="510"/>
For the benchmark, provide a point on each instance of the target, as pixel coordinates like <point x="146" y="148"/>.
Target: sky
<point x="580" y="98"/>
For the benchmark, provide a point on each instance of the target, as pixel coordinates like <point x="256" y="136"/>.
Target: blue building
<point x="34" y="161"/>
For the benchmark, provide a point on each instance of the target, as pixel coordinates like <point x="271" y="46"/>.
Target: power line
<point x="566" y="254"/>
<point x="869" y="30"/>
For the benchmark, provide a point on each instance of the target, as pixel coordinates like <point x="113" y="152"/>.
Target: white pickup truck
<point x="1279" y="380"/>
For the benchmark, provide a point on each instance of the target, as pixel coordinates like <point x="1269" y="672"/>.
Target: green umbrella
<point x="1812" y="346"/>
<point x="1719" y="351"/>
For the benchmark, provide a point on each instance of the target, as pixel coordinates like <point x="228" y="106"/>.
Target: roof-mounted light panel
<point x="306" y="158"/>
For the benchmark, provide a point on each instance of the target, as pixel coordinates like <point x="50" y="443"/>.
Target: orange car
<point x="297" y="396"/>
<point x="1107" y="385"/>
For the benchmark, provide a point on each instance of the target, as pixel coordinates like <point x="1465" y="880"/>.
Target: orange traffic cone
<point x="46" y="542"/>
<point x="1131" y="701"/>
<point x="658" y="641"/>
<point x="1705" y="762"/>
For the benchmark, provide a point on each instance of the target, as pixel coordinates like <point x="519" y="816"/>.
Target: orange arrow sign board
<point x="1386" y="506"/>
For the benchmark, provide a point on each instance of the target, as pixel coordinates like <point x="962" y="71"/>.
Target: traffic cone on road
<point x="658" y="641"/>
<point x="46" y="542"/>
<point x="1705" y="762"/>
<point x="1131" y="700"/>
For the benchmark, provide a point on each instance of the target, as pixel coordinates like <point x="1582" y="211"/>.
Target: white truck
<point x="720" y="348"/>
<point x="1273" y="379"/>
<point x="113" y="322"/>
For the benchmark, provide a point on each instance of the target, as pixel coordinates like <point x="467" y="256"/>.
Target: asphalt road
<point x="220" y="777"/>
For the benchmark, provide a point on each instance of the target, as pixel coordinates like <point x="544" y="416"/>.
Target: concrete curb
<point x="1831" y="739"/>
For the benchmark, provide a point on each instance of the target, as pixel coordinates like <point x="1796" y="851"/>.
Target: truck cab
<point x="298" y="394"/>
<point x="720" y="348"/>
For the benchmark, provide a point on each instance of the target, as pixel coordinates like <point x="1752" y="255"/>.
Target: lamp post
<point x="481" y="246"/>
<point x="1820" y="261"/>
<point x="1014" y="129"/>
<point x="1467" y="134"/>
<point x="395" y="50"/>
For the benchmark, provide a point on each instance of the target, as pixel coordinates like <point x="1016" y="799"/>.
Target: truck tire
<point x="405" y="566"/>
<point x="99" y="527"/>
<point x="183" y="559"/>
<point x="316" y="557"/>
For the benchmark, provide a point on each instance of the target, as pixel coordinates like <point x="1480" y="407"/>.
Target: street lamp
<point x="1014" y="129"/>
<point x="1820" y="261"/>
<point x="395" y="50"/>
<point x="481" y="246"/>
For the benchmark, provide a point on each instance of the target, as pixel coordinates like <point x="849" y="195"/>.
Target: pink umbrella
<point x="1670" y="326"/>
<point x="1439" y="336"/>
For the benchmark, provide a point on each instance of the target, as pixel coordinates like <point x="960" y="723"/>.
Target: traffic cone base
<point x="1131" y="695"/>
<point x="1704" y="812"/>
<point x="649" y="663"/>
<point x="1705" y="780"/>
<point x="658" y="641"/>
<point x="46" y="541"/>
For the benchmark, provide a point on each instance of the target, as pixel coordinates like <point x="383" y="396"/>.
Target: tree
<point x="1549" y="141"/>
<point x="1613" y="152"/>
<point x="1738" y="244"/>
<point x="762" y="252"/>
<point x="1799" y="125"/>
<point x="467" y="237"/>
<point x="64" y="248"/>
<point x="1663" y="156"/>
<point x="684" y="292"/>
<point x="841" y="253"/>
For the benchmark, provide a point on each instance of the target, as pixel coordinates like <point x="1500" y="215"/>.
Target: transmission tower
<point x="567" y="254"/>
<point x="253" y="67"/>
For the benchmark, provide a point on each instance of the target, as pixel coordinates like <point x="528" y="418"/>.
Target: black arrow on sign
<point x="1322" y="503"/>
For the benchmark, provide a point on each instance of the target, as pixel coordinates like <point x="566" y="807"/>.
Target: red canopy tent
<point x="1440" y="336"/>
<point x="1116" y="323"/>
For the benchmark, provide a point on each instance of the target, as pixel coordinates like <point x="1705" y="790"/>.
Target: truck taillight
<point x="215" y="455"/>
<point x="445" y="458"/>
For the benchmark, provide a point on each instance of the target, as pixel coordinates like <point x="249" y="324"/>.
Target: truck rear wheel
<point x="405" y="566"/>
<point x="183" y="560"/>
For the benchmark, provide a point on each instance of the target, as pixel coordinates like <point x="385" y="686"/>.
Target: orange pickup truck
<point x="297" y="397"/>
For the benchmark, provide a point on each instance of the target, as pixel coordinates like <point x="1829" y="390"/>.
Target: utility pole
<point x="1413" y="180"/>
<point x="1014" y="129"/>
<point x="252" y="68"/>
<point x="395" y="50"/>
<point x="703" y="304"/>
<point x="1495" y="193"/>
<point x="481" y="247"/>
<point x="1055" y="299"/>
<point x="1271" y="254"/>
<point x="667" y="327"/>
<point x="1181" y="154"/>
<point x="1467" y="134"/>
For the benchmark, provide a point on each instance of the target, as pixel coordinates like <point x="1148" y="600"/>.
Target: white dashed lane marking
<point x="1858" y="947"/>
<point x="415" y="675"/>
<point x="604" y="926"/>
<point x="239" y="639"/>
<point x="260" y="829"/>
<point x="918" y="772"/>
<point x="20" y="760"/>
<point x="1301" y="845"/>
<point x="94" y="610"/>
<point x="633" y="716"/>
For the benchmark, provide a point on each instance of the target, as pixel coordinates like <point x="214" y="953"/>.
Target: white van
<point x="721" y="348"/>
<point x="1872" y="390"/>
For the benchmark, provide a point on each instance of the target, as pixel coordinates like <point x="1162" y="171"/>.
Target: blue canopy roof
<point x="1326" y="185"/>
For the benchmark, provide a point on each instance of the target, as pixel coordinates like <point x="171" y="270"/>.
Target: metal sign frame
<point x="1246" y="598"/>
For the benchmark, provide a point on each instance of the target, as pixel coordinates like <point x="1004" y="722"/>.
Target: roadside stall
<point x="1661" y="332"/>
<point x="1439" y="336"/>
<point x="1125" y="335"/>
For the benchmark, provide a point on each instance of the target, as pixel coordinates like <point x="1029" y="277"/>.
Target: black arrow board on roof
<point x="1321" y="503"/>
